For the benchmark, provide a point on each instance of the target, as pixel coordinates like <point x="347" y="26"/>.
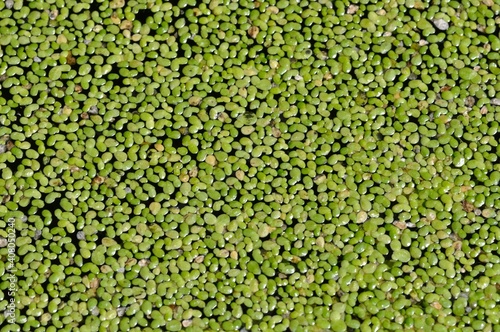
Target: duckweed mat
<point x="249" y="165"/>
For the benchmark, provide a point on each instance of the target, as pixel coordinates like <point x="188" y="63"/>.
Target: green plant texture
<point x="238" y="165"/>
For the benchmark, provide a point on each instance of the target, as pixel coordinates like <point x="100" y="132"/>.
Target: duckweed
<point x="249" y="165"/>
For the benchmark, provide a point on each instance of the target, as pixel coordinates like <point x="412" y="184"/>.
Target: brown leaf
<point x="126" y="25"/>
<point x="187" y="322"/>
<point x="6" y="199"/>
<point x="91" y="292"/>
<point x="194" y="100"/>
<point x="467" y="206"/>
<point x="295" y="259"/>
<point x="130" y="262"/>
<point x="94" y="283"/>
<point x="53" y="14"/>
<point x="240" y="175"/>
<point x="174" y="308"/>
<point x="352" y="9"/>
<point x="470" y="101"/>
<point x="70" y="59"/>
<point x="199" y="259"/>
<point x="276" y="132"/>
<point x="9" y="144"/>
<point x="436" y="305"/>
<point x="457" y="245"/>
<point x="98" y="179"/>
<point x="66" y="110"/>
<point x="115" y="19"/>
<point x="184" y="131"/>
<point x="159" y="147"/>
<point x="193" y="172"/>
<point x="400" y="224"/>
<point x="419" y="5"/>
<point x="253" y="31"/>
<point x="465" y="188"/>
<point x="144" y="262"/>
